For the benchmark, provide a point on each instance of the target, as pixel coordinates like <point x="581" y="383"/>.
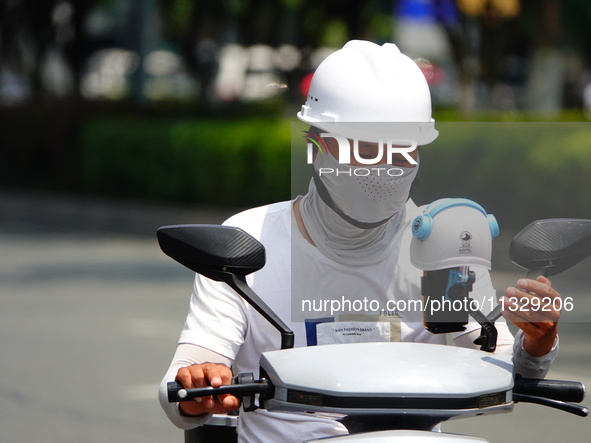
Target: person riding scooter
<point x="347" y="238"/>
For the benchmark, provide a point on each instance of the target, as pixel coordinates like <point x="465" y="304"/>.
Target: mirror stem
<point x="241" y="287"/>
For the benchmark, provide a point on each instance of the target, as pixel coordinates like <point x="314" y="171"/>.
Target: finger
<point x="229" y="402"/>
<point x="524" y="319"/>
<point x="514" y="309"/>
<point x="214" y="379"/>
<point x="191" y="377"/>
<point x="219" y="375"/>
<point x="536" y="296"/>
<point x="520" y="306"/>
<point x="540" y="286"/>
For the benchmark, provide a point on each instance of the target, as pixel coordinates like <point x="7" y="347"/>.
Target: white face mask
<point x="367" y="195"/>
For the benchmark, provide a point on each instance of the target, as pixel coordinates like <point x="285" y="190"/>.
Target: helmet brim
<point x="422" y="133"/>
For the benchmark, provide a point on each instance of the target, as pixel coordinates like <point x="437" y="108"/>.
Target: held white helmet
<point x="452" y="232"/>
<point x="371" y="93"/>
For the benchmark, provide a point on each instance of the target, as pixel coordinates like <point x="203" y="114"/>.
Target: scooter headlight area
<point x="433" y="382"/>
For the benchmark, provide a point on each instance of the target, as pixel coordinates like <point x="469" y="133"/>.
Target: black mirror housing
<point x="549" y="247"/>
<point x="212" y="250"/>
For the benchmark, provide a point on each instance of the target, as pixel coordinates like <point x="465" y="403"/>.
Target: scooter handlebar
<point x="177" y="393"/>
<point x="561" y="390"/>
<point x="553" y="393"/>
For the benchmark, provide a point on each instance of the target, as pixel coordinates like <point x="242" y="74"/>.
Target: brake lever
<point x="579" y="410"/>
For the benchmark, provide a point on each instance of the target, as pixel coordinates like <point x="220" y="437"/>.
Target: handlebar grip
<point x="561" y="390"/>
<point x="177" y="393"/>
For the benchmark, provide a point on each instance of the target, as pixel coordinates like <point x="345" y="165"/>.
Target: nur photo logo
<point x="390" y="149"/>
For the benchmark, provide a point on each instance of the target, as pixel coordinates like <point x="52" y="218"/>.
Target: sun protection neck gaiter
<point x="357" y="220"/>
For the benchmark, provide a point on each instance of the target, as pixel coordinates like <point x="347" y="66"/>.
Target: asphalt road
<point x="91" y="311"/>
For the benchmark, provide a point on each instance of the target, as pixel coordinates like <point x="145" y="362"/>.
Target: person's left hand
<point x="535" y="310"/>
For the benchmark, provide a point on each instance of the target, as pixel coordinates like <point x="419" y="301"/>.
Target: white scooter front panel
<point x="389" y="378"/>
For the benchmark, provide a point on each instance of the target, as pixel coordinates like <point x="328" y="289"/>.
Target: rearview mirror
<point x="549" y="247"/>
<point x="212" y="250"/>
<point x="226" y="254"/>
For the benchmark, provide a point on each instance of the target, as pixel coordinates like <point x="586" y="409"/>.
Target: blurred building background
<point x="90" y="90"/>
<point x="477" y="54"/>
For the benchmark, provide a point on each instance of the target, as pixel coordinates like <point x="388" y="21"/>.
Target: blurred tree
<point x="25" y="31"/>
<point x="76" y="48"/>
<point x="479" y="42"/>
<point x="544" y="91"/>
<point x="577" y="17"/>
<point x="519" y="49"/>
<point x="30" y="30"/>
<point x="201" y="28"/>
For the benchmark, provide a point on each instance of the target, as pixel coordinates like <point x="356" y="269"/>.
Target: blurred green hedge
<point x="209" y="161"/>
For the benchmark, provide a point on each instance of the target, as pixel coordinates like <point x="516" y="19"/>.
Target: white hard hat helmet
<point x="371" y="93"/>
<point x="452" y="232"/>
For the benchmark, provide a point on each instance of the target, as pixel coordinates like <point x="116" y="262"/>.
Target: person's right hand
<point x="202" y="375"/>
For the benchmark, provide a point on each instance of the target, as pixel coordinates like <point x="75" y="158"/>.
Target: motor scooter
<point x="414" y="387"/>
